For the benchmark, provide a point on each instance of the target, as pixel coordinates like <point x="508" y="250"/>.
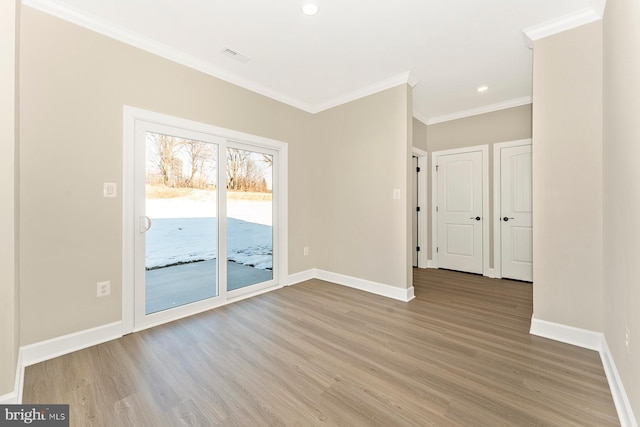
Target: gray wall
<point x="364" y="233"/>
<point x="567" y="178"/>
<point x="419" y="134"/>
<point x="9" y="324"/>
<point x="621" y="146"/>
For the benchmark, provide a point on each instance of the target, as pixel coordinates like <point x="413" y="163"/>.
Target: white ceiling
<point x="350" y="48"/>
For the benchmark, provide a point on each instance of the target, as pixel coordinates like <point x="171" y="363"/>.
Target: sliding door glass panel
<point x="181" y="241"/>
<point x="249" y="218"/>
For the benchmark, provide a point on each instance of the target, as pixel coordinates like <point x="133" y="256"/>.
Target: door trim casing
<point x="497" y="199"/>
<point x="484" y="149"/>
<point x="130" y="116"/>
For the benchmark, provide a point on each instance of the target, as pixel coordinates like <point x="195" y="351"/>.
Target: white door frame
<point x="129" y="222"/>
<point x="484" y="149"/>
<point x="422" y="202"/>
<point x="497" y="199"/>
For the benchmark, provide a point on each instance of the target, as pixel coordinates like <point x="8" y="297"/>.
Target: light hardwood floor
<point x="316" y="353"/>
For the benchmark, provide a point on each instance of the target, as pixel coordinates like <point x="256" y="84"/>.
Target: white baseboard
<point x="16" y="395"/>
<point x="9" y="398"/>
<point x="353" y="282"/>
<point x="367" y="285"/>
<point x="302" y="276"/>
<point x="566" y="334"/>
<point x="410" y="294"/>
<point x="430" y="264"/>
<point x="623" y="406"/>
<point x="54" y="347"/>
<point x="19" y="377"/>
<point x="593" y="341"/>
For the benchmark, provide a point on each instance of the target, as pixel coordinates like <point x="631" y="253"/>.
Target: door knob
<point x="477" y="218"/>
<point x="506" y="218"/>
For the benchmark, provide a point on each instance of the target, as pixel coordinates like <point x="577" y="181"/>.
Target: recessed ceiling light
<point x="482" y="88"/>
<point x="310" y="8"/>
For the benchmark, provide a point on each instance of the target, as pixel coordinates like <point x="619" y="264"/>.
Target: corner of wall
<point x="567" y="137"/>
<point x="593" y="341"/>
<point x="9" y="292"/>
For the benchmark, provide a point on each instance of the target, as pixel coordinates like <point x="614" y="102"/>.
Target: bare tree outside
<point x="246" y="171"/>
<point x="199" y="154"/>
<point x="180" y="163"/>
<point x="163" y="156"/>
<point x="236" y="159"/>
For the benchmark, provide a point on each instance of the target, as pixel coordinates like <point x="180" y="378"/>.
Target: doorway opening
<point x="419" y="208"/>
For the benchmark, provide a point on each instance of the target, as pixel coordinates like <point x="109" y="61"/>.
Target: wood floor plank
<point x="459" y="354"/>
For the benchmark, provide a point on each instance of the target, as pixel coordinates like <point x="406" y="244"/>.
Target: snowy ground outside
<point x="185" y="230"/>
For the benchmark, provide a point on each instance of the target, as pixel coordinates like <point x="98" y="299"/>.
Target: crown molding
<point x="599" y="6"/>
<point x="82" y="19"/>
<point x="412" y="81"/>
<point x="584" y="16"/>
<point x="476" y="111"/>
<point x="103" y="27"/>
<point x="421" y="117"/>
<point x="403" y="78"/>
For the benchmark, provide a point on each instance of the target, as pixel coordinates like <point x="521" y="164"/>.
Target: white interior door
<point x="516" y="213"/>
<point x="459" y="210"/>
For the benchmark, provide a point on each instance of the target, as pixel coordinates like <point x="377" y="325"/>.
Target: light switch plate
<point x="110" y="189"/>
<point x="103" y="289"/>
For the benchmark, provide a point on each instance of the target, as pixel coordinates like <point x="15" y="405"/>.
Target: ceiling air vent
<point x="235" y="55"/>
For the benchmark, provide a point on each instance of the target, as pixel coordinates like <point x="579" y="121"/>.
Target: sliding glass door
<point x="180" y="222"/>
<point x="199" y="244"/>
<point x="249" y="204"/>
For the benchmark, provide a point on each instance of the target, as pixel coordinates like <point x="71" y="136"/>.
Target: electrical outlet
<point x="627" y="340"/>
<point x="103" y="289"/>
<point x="306" y="251"/>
